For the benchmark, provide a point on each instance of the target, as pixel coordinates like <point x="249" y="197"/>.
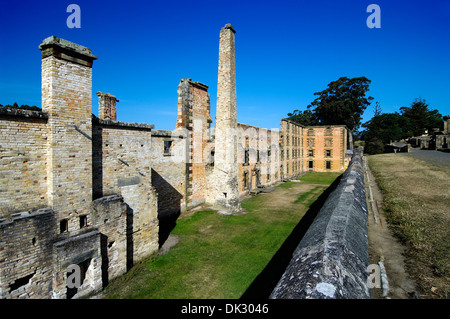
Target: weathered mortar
<point x="107" y="106"/>
<point x="332" y="258"/>
<point x="25" y="243"/>
<point x="194" y="121"/>
<point x="23" y="157"/>
<point x="109" y="213"/>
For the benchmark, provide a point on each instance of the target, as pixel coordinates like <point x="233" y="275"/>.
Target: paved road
<point x="435" y="157"/>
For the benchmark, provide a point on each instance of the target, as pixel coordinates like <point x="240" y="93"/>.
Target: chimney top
<point x="67" y="50"/>
<point x="229" y="26"/>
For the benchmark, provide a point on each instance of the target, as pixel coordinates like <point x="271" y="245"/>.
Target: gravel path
<point x="435" y="157"/>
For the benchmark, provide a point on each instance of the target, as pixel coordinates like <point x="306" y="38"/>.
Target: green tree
<point x="373" y="145"/>
<point x="23" y="107"/>
<point x="305" y="117"/>
<point x="387" y="127"/>
<point x="343" y="103"/>
<point x="421" y="118"/>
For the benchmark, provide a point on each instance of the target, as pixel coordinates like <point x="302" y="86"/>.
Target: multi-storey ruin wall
<point x="102" y="194"/>
<point x="194" y="121"/>
<point x="258" y="161"/>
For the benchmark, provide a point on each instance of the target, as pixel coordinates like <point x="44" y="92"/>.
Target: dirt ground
<point x="383" y="246"/>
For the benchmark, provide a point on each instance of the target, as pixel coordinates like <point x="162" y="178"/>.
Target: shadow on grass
<point x="265" y="282"/>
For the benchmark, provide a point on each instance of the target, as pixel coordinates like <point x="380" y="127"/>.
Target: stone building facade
<point x="100" y="194"/>
<point x="443" y="138"/>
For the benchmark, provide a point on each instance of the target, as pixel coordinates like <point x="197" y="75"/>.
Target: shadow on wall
<point x="97" y="162"/>
<point x="265" y="282"/>
<point x="130" y="242"/>
<point x="169" y="205"/>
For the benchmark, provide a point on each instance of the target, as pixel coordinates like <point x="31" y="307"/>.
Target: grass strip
<point x="220" y="256"/>
<point x="416" y="196"/>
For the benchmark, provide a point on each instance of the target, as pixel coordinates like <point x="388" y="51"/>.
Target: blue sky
<point x="285" y="51"/>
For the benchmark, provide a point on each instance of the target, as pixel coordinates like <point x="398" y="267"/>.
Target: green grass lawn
<point x="319" y="178"/>
<point x="219" y="256"/>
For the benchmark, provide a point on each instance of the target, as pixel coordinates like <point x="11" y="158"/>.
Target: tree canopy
<point x="386" y="127"/>
<point x="23" y="107"/>
<point x="343" y="102"/>
<point x="306" y="117"/>
<point x="421" y="118"/>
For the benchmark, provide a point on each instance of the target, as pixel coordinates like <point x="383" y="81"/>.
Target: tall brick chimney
<point x="225" y="192"/>
<point x="67" y="98"/>
<point x="107" y="106"/>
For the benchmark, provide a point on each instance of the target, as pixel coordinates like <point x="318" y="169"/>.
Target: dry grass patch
<point x="416" y="204"/>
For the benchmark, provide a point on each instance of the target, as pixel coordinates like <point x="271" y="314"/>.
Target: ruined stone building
<point x="103" y="194"/>
<point x="443" y="138"/>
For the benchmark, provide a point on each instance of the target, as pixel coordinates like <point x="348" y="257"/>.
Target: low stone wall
<point x="331" y="260"/>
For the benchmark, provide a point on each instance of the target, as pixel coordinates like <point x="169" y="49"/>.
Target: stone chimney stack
<point x="226" y="84"/>
<point x="225" y="192"/>
<point x="107" y="106"/>
<point x="67" y="98"/>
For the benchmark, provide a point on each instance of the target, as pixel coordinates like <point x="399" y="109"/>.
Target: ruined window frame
<point x="246" y="157"/>
<point x="83" y="221"/>
<point x="167" y="147"/>
<point x="63" y="225"/>
<point x="212" y="153"/>
<point x="245" y="180"/>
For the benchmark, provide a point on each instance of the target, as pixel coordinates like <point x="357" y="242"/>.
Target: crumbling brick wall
<point x="23" y="149"/>
<point x="26" y="254"/>
<point x="258" y="160"/>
